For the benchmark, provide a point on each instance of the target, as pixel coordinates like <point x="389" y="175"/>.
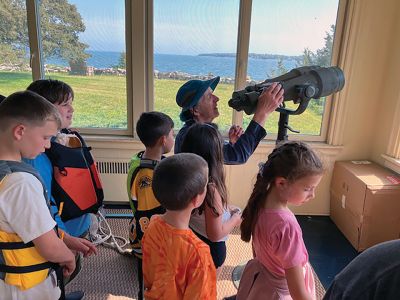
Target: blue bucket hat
<point x="190" y="93"/>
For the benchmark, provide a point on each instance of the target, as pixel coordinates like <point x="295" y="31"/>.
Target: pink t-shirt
<point x="278" y="241"/>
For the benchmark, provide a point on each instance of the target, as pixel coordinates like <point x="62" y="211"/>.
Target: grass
<point x="100" y="101"/>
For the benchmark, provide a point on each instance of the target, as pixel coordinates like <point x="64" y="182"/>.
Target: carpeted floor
<point x="110" y="275"/>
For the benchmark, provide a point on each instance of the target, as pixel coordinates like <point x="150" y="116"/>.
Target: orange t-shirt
<point x="176" y="264"/>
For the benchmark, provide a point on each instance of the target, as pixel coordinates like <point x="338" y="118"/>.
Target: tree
<point x="60" y="25"/>
<point x="121" y="61"/>
<point x="10" y="56"/>
<point x="281" y="67"/>
<point x="323" y="56"/>
<point x="13" y="32"/>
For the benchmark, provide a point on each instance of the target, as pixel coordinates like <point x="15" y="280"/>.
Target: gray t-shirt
<point x="374" y="274"/>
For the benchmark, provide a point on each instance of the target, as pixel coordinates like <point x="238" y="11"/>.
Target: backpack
<point x="135" y="165"/>
<point x="76" y="185"/>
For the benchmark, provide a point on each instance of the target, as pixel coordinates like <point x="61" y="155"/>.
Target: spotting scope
<point x="300" y="85"/>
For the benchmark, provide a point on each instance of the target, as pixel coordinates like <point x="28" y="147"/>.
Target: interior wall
<point x="372" y="90"/>
<point x="389" y="94"/>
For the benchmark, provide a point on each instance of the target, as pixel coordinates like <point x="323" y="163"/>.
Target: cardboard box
<point x="365" y="203"/>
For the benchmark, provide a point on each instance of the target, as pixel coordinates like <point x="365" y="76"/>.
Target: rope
<point x="100" y="234"/>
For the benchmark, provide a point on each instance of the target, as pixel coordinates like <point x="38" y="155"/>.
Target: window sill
<point x="112" y="142"/>
<point x="391" y="163"/>
<point x="323" y="148"/>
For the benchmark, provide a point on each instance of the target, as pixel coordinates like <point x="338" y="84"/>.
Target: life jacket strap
<point x="27" y="269"/>
<point x="15" y="245"/>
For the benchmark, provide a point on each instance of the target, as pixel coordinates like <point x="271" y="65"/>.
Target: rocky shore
<point x="175" y="75"/>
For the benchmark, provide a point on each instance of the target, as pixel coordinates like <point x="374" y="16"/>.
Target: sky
<point x="207" y="26"/>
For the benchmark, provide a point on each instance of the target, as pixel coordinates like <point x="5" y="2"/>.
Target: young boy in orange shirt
<point x="176" y="263"/>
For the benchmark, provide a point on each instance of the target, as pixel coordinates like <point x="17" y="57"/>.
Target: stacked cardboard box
<point x="365" y="203"/>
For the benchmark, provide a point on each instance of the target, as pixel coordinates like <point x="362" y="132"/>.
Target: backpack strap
<point x="69" y="131"/>
<point x="144" y="163"/>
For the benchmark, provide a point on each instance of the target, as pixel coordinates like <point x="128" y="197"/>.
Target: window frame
<point x="140" y="62"/>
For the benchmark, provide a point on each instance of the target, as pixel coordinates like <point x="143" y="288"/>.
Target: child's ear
<point x="162" y="140"/>
<point x="198" y="200"/>
<point x="18" y="131"/>
<point x="280" y="182"/>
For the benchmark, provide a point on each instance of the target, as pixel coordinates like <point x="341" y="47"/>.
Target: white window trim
<point x="392" y="156"/>
<point x="347" y="24"/>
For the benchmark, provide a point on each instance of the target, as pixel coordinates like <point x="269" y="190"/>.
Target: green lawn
<point x="100" y="101"/>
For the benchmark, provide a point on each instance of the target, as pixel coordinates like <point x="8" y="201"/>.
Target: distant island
<point x="256" y="55"/>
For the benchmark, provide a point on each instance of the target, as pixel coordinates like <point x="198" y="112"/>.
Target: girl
<point x="213" y="220"/>
<point x="290" y="176"/>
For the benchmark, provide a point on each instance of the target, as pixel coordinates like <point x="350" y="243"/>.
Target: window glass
<point x="15" y="72"/>
<point x="194" y="40"/>
<point x="83" y="44"/>
<point x="286" y="35"/>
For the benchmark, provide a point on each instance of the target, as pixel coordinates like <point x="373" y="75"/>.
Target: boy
<point x="61" y="96"/>
<point x="155" y="131"/>
<point x="176" y="263"/>
<point x="27" y="122"/>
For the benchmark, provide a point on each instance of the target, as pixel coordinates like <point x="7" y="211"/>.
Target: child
<point x="289" y="176"/>
<point x="213" y="220"/>
<point x="61" y="95"/>
<point x="176" y="264"/>
<point x="155" y="131"/>
<point x="27" y="122"/>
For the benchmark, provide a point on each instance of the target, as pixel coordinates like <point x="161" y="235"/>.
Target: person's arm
<point x="247" y="143"/>
<point x="215" y="229"/>
<point x="239" y="152"/>
<point x="295" y="280"/>
<point x="54" y="250"/>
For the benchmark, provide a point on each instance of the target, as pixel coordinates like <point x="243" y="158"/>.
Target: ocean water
<point x="258" y="69"/>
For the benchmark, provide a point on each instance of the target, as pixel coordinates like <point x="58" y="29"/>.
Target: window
<point x="286" y="35"/>
<point x="15" y="71"/>
<point x="83" y="44"/>
<point x="125" y="57"/>
<point x="194" y="40"/>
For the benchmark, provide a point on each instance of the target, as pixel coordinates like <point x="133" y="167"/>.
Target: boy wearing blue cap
<point x="199" y="104"/>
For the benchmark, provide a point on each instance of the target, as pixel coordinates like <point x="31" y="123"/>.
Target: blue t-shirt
<point x="75" y="227"/>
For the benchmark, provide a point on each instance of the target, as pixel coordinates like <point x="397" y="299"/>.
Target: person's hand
<point x="68" y="266"/>
<point x="236" y="216"/>
<point x="234" y="133"/>
<point x="268" y="101"/>
<point x="83" y="246"/>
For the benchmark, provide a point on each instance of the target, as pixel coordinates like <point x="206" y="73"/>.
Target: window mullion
<point x="242" y="54"/>
<point x="33" y="18"/>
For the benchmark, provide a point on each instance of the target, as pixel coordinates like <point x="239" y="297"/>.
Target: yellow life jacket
<point x="21" y="264"/>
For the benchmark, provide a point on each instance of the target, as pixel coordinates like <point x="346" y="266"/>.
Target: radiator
<point x="113" y="177"/>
